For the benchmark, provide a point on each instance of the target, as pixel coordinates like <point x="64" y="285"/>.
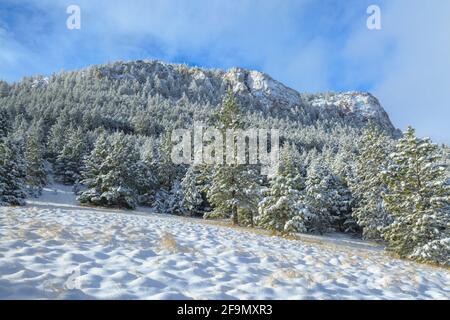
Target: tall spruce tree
<point x="146" y="181"/>
<point x="418" y="199"/>
<point x="4" y="89"/>
<point x="5" y="123"/>
<point x="93" y="168"/>
<point x="57" y="138"/>
<point x="69" y="161"/>
<point x="192" y="199"/>
<point x="167" y="172"/>
<point x="235" y="186"/>
<point x="36" y="176"/>
<point x="367" y="185"/>
<point x="12" y="171"/>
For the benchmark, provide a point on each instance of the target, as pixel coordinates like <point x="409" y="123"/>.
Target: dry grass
<point x="168" y="242"/>
<point x="289" y="274"/>
<point x="432" y="265"/>
<point x="53" y="289"/>
<point x="229" y="224"/>
<point x="50" y="231"/>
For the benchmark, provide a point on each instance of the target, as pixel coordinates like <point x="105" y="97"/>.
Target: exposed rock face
<point x="359" y="106"/>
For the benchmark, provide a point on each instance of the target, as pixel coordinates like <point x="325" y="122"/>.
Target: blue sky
<point x="310" y="45"/>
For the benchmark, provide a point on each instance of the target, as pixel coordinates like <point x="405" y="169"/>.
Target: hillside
<point x="342" y="166"/>
<point x="136" y="84"/>
<point x="54" y="249"/>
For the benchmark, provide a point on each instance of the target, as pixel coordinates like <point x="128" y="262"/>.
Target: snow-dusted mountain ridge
<point x="123" y="91"/>
<point x="255" y="90"/>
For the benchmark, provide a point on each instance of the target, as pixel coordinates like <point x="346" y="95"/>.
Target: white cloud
<point x="12" y="54"/>
<point x="408" y="63"/>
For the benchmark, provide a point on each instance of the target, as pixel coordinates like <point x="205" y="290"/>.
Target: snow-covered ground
<point x="55" y="249"/>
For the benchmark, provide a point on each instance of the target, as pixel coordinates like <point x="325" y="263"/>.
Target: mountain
<point x="255" y="90"/>
<point x="148" y="98"/>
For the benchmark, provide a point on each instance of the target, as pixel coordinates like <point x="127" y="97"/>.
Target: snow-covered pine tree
<point x="93" y="164"/>
<point x="5" y="123"/>
<point x="338" y="165"/>
<point x="446" y="156"/>
<point x="418" y="199"/>
<point x="109" y="180"/>
<point x="160" y="200"/>
<point x="119" y="180"/>
<point x="291" y="166"/>
<point x="12" y="171"/>
<point x="146" y="181"/>
<point x="233" y="186"/>
<point x="193" y="199"/>
<point x="367" y="184"/>
<point x="21" y="126"/>
<point x="229" y="116"/>
<point x="69" y="161"/>
<point x="327" y="200"/>
<point x="281" y="208"/>
<point x="174" y="201"/>
<point x="345" y="222"/>
<point x="36" y="177"/>
<point x="166" y="170"/>
<point x="57" y="138"/>
<point x="4" y="89"/>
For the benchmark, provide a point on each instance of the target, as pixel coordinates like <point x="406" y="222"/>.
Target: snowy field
<point x="55" y="249"/>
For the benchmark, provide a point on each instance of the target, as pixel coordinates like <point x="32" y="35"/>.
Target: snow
<point x="40" y="82"/>
<point x="53" y="248"/>
<point x="262" y="87"/>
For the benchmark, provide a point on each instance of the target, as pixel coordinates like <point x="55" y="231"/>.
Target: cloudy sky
<point x="310" y="45"/>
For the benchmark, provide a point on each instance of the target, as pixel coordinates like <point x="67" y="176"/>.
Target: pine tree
<point x="327" y="200"/>
<point x="5" y="123"/>
<point x="36" y="177"/>
<point x="145" y="182"/>
<point x="193" y="199"/>
<point x="291" y="166"/>
<point x="21" y="126"/>
<point x="229" y="116"/>
<point x="166" y="170"/>
<point x="418" y="199"/>
<point x="233" y="187"/>
<point x="345" y="222"/>
<point x="94" y="168"/>
<point x="173" y="201"/>
<point x="4" y="89"/>
<point x="12" y="171"/>
<point x="281" y="208"/>
<point x="69" y="161"/>
<point x="110" y="173"/>
<point x="367" y="185"/>
<point x="57" y="138"/>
